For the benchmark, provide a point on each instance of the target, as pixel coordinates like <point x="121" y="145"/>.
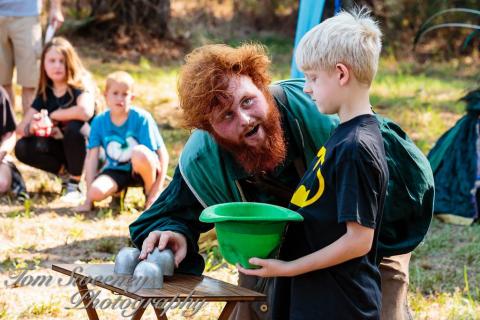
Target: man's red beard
<point x="267" y="156"/>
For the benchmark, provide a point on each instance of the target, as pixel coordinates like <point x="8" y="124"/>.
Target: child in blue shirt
<point x="134" y="149"/>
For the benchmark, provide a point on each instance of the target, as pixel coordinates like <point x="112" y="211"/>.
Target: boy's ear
<point x="132" y="98"/>
<point x="343" y="73"/>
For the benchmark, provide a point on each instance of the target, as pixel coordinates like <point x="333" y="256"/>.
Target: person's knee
<point x="72" y="128"/>
<point x="72" y="136"/>
<point x="4" y="185"/>
<point x="96" y="194"/>
<point x="142" y="156"/>
<point x="21" y="150"/>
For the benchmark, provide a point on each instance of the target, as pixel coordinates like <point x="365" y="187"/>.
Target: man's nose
<point x="245" y="118"/>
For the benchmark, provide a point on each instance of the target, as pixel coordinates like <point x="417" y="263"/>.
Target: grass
<point x="423" y="99"/>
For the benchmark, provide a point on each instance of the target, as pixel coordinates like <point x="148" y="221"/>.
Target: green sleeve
<point x="176" y="209"/>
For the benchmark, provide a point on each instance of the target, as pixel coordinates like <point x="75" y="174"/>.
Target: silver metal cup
<point x="165" y="259"/>
<point x="126" y="260"/>
<point x="148" y="275"/>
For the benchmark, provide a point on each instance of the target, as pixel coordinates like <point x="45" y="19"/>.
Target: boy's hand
<point x="270" y="268"/>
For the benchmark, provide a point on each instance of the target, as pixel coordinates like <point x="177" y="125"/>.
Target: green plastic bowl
<point x="248" y="229"/>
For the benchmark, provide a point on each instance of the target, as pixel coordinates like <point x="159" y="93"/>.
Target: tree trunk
<point x="133" y="15"/>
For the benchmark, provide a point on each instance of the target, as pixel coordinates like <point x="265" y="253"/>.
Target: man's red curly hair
<point x="204" y="79"/>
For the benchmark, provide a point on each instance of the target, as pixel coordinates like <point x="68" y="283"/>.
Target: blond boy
<point x="134" y="149"/>
<point x="328" y="266"/>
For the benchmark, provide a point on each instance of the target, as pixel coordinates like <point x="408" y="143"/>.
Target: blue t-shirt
<point x="20" y="8"/>
<point x="118" y="141"/>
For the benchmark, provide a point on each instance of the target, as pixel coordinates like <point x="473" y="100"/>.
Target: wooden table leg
<point x="87" y="301"/>
<point x="140" y="310"/>
<point x="158" y="313"/>
<point x="227" y="310"/>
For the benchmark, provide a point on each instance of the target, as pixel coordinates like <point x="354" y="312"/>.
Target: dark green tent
<point x="456" y="168"/>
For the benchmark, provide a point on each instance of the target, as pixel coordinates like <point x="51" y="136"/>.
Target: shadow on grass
<point x="99" y="250"/>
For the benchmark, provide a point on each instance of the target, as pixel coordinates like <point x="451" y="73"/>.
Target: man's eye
<point x="228" y="115"/>
<point x="248" y="102"/>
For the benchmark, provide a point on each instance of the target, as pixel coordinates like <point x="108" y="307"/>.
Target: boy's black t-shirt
<point x="53" y="103"/>
<point x="347" y="181"/>
<point x="7" y="121"/>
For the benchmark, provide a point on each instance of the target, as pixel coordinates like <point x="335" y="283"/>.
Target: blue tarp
<point x="309" y="15"/>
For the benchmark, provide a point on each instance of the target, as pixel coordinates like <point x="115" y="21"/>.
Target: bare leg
<point x="11" y="95"/>
<point x="5" y="178"/>
<point x="27" y="98"/>
<point x="101" y="188"/>
<point x="145" y="162"/>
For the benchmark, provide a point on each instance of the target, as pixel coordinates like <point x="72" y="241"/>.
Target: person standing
<point x="21" y="44"/>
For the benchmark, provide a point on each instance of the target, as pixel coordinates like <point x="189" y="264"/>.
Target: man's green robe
<point x="209" y="173"/>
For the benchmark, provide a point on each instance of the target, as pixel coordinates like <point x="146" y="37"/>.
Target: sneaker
<point x="72" y="195"/>
<point x="19" y="190"/>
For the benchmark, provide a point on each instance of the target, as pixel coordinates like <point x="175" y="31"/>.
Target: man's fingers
<point x="180" y="254"/>
<point x="164" y="239"/>
<point x="148" y="244"/>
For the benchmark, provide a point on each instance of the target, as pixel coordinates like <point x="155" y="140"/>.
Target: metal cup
<point x="147" y="275"/>
<point x="126" y="260"/>
<point x="165" y="259"/>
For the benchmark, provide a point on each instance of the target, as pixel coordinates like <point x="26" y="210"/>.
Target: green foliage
<point x="105" y="213"/>
<point x="214" y="259"/>
<point x="448" y="258"/>
<point x="25" y="213"/>
<point x="46" y="308"/>
<point x="16" y="263"/>
<point x="107" y="245"/>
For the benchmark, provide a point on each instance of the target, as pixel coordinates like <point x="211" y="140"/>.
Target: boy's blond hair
<point x="119" y="77"/>
<point x="352" y="38"/>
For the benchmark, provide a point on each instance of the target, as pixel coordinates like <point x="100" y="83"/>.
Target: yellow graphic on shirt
<point x="300" y="197"/>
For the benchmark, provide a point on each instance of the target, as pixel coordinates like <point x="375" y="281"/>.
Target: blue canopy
<point x="309" y="15"/>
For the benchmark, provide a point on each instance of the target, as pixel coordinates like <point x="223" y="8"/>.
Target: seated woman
<point x="70" y="107"/>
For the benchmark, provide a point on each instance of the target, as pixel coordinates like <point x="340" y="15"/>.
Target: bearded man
<point x="253" y="142"/>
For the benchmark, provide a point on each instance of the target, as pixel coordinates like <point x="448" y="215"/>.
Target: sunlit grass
<point x="423" y="99"/>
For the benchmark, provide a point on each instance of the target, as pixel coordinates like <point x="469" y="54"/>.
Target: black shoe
<point x="19" y="190"/>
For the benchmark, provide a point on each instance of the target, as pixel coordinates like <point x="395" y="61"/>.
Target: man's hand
<point x="55" y="17"/>
<point x="165" y="239"/>
<point x="269" y="268"/>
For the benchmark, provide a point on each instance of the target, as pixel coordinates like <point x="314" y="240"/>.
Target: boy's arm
<point x="83" y="110"/>
<point x="161" y="175"/>
<point x="356" y="242"/>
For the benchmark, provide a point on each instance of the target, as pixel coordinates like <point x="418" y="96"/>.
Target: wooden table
<point x="180" y="287"/>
